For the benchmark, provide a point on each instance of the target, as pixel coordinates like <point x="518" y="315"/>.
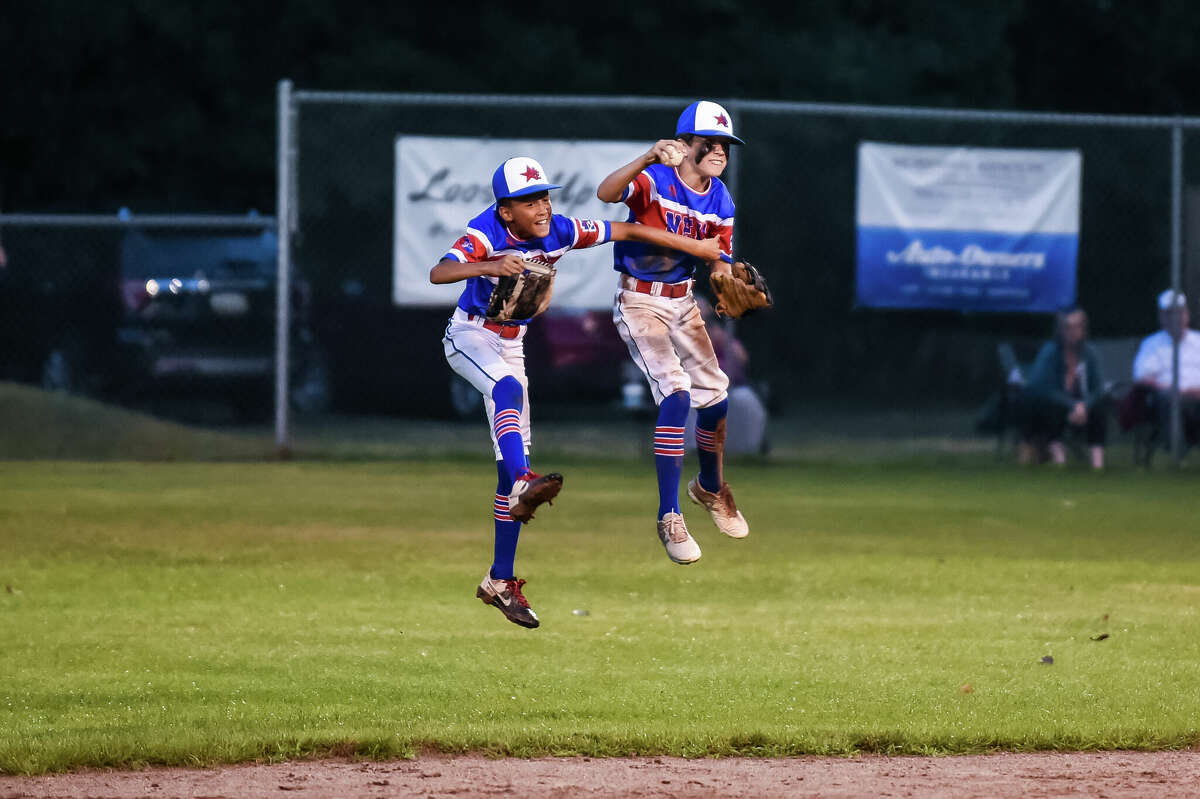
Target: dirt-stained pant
<point x="668" y="341"/>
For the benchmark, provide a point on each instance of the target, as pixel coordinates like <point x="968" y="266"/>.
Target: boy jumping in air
<point x="517" y="234"/>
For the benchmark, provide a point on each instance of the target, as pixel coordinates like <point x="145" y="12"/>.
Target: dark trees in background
<point x="170" y="105"/>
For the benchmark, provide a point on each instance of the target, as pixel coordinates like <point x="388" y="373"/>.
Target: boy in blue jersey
<point x="656" y="313"/>
<point x="519" y="229"/>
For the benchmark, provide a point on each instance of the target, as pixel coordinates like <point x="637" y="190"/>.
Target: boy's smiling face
<point x="528" y="216"/>
<point x="713" y="152"/>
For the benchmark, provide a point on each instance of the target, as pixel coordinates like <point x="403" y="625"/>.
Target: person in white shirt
<point x="1152" y="367"/>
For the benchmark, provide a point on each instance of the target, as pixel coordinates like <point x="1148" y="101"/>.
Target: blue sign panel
<point x="967" y="229"/>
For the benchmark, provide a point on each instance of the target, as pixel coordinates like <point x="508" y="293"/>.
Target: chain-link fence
<point x="80" y="315"/>
<point x="794" y="183"/>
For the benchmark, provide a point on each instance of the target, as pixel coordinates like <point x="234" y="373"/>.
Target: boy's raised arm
<point x="613" y="186"/>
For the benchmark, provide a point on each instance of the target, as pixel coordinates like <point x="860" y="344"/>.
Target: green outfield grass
<point x="199" y="613"/>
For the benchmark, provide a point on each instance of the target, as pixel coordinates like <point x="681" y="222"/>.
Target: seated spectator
<point x="1065" y="389"/>
<point x="1152" y="371"/>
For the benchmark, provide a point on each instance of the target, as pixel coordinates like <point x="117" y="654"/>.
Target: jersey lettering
<point x="658" y="198"/>
<point x="687" y="226"/>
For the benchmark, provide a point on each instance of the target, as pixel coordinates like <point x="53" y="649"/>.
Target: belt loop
<point x="656" y="289"/>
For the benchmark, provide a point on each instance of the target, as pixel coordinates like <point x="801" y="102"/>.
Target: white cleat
<point x="725" y="515"/>
<point x="673" y="533"/>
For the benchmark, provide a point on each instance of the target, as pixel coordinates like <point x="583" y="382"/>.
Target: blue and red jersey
<point x="657" y="197"/>
<point x="487" y="237"/>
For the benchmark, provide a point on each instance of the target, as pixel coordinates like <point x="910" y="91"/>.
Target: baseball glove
<point x="522" y="296"/>
<point x="741" y="292"/>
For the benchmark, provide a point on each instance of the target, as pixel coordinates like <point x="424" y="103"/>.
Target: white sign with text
<point x="444" y="182"/>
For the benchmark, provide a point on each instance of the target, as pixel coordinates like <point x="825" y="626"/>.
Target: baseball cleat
<point x="680" y="545"/>
<point x="725" y="515"/>
<point x="506" y="596"/>
<point x="530" y="490"/>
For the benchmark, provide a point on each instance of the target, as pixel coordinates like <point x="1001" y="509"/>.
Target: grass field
<point x="219" y="612"/>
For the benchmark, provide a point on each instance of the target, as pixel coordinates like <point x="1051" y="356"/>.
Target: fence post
<point x="1176" y="261"/>
<point x="283" y="305"/>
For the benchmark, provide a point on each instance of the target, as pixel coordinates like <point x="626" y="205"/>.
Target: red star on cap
<point x="722" y="121"/>
<point x="531" y="174"/>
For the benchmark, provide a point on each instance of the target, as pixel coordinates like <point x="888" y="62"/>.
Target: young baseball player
<point x="517" y="236"/>
<point x="676" y="186"/>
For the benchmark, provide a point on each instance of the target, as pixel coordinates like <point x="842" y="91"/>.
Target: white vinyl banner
<point x="443" y="182"/>
<point x="967" y="228"/>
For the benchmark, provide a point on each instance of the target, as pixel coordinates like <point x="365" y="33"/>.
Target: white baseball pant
<point x="483" y="358"/>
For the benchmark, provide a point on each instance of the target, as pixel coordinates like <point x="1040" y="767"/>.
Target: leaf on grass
<point x="1047" y="660"/>
<point x="966" y="688"/>
<point x="1100" y="637"/>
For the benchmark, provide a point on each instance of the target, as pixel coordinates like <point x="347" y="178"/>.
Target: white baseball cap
<point x="519" y="176"/>
<point x="1170" y="298"/>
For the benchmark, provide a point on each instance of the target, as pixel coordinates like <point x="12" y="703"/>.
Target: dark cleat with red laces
<point x="530" y="490"/>
<point x="506" y="596"/>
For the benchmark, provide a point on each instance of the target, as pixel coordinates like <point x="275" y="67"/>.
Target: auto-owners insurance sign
<point x="968" y="229"/>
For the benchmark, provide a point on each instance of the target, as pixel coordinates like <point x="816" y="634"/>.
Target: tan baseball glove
<point x="741" y="292"/>
<point x="522" y="296"/>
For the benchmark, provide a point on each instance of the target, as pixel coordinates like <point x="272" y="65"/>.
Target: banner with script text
<point x="967" y="229"/>
<point x="444" y="182"/>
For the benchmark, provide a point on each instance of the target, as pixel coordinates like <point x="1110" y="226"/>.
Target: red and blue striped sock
<point x="506" y="424"/>
<point x="668" y="450"/>
<point x="507" y="531"/>
<point x="707" y="449"/>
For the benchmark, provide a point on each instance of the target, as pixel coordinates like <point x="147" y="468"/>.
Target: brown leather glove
<point x="741" y="292"/>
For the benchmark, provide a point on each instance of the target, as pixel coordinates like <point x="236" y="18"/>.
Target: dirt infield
<point x="1128" y="775"/>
